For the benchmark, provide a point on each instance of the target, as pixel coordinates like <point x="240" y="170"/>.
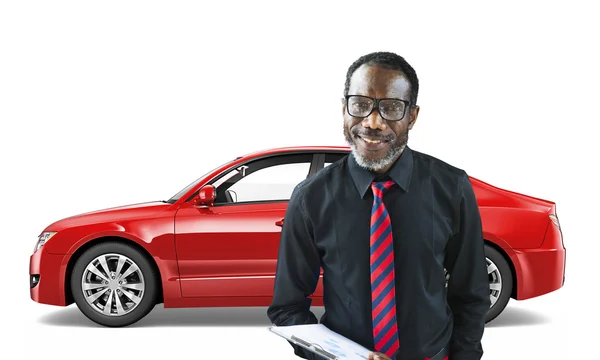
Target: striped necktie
<point x="385" y="327"/>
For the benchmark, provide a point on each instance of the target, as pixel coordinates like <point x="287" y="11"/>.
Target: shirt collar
<point x="400" y="172"/>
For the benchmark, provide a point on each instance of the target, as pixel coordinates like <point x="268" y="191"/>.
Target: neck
<point x="387" y="168"/>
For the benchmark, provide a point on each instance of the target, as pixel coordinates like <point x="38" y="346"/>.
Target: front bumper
<point x="46" y="278"/>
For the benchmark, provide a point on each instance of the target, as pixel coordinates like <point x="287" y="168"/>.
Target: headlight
<point x="42" y="239"/>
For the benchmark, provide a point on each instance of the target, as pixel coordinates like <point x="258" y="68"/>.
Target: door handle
<point x="279" y="222"/>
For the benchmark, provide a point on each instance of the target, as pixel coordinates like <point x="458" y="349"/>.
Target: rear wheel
<point x="500" y="282"/>
<point x="114" y="284"/>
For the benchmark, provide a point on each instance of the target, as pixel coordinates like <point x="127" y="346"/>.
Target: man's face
<point x="376" y="143"/>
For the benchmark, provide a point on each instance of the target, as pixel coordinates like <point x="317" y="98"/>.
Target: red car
<point x="215" y="243"/>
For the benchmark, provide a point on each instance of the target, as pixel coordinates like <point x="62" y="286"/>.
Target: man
<point x="384" y="223"/>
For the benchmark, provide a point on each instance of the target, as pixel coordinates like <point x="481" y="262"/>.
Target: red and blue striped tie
<point x="385" y="327"/>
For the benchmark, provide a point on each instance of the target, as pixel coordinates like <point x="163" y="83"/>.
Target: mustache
<point x="373" y="134"/>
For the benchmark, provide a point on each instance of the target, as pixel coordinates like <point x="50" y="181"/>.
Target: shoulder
<point x="322" y="178"/>
<point x="438" y="169"/>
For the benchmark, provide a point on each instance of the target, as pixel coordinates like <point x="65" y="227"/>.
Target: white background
<point x="117" y="102"/>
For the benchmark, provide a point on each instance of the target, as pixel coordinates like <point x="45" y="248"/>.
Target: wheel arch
<point x="493" y="245"/>
<point x="73" y="259"/>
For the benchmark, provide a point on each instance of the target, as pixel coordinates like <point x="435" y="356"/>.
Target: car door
<point x="231" y="248"/>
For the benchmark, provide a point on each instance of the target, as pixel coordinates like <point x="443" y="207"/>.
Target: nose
<point x="374" y="121"/>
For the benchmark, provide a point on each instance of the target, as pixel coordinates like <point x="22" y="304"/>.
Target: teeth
<point x="372" y="141"/>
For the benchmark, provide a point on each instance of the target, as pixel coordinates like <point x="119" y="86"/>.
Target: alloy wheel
<point x="113" y="284"/>
<point x="495" y="281"/>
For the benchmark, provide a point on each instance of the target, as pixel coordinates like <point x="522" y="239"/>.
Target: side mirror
<point x="205" y="197"/>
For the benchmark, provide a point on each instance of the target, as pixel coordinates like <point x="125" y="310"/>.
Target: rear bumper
<point x="542" y="270"/>
<point x="46" y="278"/>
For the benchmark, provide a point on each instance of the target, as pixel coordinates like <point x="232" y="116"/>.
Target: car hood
<point x="118" y="213"/>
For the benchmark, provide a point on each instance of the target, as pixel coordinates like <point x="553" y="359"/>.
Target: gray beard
<point x="378" y="164"/>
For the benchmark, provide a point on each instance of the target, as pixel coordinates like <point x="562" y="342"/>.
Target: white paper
<point x="330" y="341"/>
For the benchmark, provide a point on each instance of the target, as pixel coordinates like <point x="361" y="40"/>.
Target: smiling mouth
<point x="372" y="143"/>
<point x="372" y="140"/>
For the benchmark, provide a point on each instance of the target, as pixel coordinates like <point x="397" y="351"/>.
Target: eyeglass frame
<point x="407" y="105"/>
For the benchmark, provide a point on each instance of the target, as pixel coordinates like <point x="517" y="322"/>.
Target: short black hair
<point x="391" y="61"/>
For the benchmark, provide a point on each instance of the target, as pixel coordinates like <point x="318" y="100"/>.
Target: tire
<point x="135" y="296"/>
<point x="501" y="282"/>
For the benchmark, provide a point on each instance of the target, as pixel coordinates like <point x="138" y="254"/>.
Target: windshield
<point x="190" y="186"/>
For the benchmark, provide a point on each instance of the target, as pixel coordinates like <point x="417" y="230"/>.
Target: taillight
<point x="554" y="220"/>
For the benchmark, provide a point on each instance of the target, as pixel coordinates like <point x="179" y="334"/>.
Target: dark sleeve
<point x="468" y="286"/>
<point x="297" y="273"/>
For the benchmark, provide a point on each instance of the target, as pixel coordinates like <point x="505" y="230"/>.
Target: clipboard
<point x="315" y="348"/>
<point x="353" y="348"/>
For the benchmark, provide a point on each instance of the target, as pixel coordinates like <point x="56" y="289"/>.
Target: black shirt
<point x="436" y="225"/>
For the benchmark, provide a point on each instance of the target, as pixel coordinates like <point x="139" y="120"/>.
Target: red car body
<point x="226" y="255"/>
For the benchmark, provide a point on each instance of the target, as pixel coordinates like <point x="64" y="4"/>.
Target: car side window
<point x="272" y="179"/>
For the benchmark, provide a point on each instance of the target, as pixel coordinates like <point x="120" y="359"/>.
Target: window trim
<point x="311" y="171"/>
<point x="220" y="175"/>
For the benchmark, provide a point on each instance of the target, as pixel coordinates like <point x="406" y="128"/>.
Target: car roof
<point x="293" y="149"/>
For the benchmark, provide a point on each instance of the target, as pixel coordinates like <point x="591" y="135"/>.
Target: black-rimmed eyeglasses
<point x="362" y="106"/>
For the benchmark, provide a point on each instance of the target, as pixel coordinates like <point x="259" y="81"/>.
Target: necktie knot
<point x="380" y="187"/>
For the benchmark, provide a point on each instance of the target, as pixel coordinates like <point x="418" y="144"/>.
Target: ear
<point x="414" y="113"/>
<point x="343" y="101"/>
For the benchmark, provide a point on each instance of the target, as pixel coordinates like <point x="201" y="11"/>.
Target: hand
<point x="378" y="356"/>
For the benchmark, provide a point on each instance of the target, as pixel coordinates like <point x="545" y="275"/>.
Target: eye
<point x="391" y="108"/>
<point x="361" y="105"/>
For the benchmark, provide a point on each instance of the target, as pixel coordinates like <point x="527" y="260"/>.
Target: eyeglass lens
<point x="389" y="109"/>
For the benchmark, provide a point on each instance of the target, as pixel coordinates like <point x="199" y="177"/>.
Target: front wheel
<point x="114" y="284"/>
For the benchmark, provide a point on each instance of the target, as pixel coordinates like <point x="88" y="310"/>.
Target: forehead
<point x="379" y="82"/>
